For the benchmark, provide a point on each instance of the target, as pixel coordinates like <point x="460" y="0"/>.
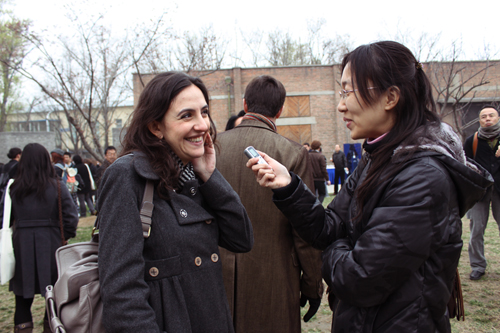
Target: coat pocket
<point x="163" y="268"/>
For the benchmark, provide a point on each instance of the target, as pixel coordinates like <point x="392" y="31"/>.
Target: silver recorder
<point x="251" y="153"/>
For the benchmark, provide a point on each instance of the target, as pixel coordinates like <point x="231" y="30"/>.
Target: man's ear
<point x="154" y="127"/>
<point x="245" y="106"/>
<point x="392" y="98"/>
<point x="280" y="112"/>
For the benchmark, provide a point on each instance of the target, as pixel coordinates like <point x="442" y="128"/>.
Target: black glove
<point x="314" y="304"/>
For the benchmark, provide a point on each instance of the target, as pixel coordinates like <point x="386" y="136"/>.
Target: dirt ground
<point x="86" y="221"/>
<point x="481" y="298"/>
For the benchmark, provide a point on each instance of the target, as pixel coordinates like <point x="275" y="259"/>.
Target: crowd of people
<point x="236" y="250"/>
<point x="49" y="194"/>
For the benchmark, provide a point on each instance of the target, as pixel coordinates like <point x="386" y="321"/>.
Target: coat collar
<point x="142" y="165"/>
<point x="255" y="123"/>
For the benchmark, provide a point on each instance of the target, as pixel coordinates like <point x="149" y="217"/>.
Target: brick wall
<point x="320" y="83"/>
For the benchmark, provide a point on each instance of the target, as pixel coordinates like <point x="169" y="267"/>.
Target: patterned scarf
<point x="490" y="132"/>
<point x="262" y="118"/>
<point x="186" y="172"/>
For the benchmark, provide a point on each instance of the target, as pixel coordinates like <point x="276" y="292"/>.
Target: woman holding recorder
<point x="391" y="238"/>
<point x="172" y="280"/>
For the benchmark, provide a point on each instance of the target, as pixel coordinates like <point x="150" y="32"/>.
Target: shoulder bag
<point x="7" y="259"/>
<point x="74" y="303"/>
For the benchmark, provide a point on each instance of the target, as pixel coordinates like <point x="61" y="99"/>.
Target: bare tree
<point x="284" y="50"/>
<point x="203" y="51"/>
<point x="456" y="85"/>
<point x="13" y="50"/>
<point x="153" y="54"/>
<point x="425" y="46"/>
<point x="87" y="79"/>
<point x="323" y="49"/>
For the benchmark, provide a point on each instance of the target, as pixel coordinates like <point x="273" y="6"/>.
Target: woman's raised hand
<point x="204" y="166"/>
<point x="273" y="175"/>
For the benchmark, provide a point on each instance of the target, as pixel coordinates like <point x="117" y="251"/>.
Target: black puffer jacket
<point x="393" y="270"/>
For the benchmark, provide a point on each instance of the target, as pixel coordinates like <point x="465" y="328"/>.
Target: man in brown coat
<point x="267" y="286"/>
<point x="318" y="165"/>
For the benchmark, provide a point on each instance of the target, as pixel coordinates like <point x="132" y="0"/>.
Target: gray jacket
<point x="171" y="281"/>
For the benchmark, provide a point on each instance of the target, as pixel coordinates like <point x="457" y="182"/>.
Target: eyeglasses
<point x="344" y="93"/>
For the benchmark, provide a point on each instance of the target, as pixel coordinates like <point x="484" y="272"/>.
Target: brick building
<point x="312" y="96"/>
<point x="310" y="108"/>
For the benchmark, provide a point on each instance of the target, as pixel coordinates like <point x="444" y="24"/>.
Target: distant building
<point x="312" y="97"/>
<point x="310" y="107"/>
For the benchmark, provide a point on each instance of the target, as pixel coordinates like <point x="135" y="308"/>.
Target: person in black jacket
<point x="37" y="233"/>
<point x="340" y="162"/>
<point x="487" y="154"/>
<point x="11" y="167"/>
<point x="84" y="190"/>
<point x="391" y="239"/>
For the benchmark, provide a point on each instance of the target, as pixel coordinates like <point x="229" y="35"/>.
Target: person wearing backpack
<point x="38" y="233"/>
<point x="484" y="147"/>
<point x="67" y="172"/>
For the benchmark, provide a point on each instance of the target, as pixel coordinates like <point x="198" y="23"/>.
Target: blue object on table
<point x="331" y="173"/>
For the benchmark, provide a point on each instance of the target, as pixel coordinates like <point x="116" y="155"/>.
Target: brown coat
<point x="264" y="286"/>
<point x="318" y="166"/>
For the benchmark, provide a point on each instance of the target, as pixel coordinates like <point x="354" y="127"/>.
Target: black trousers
<point x="320" y="189"/>
<point x="339" y="174"/>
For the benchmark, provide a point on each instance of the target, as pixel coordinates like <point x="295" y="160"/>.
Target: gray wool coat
<point x="36" y="237"/>
<point x="171" y="281"/>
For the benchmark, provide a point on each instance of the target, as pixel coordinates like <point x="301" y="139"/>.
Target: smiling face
<point x="185" y="124"/>
<point x="363" y="120"/>
<point x="488" y="117"/>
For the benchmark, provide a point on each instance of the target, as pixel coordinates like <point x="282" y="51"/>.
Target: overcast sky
<point x="364" y="21"/>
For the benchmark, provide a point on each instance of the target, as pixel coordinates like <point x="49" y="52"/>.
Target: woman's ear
<point x="392" y="98"/>
<point x="154" y="127"/>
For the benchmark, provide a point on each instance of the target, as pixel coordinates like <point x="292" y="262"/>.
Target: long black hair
<point x="34" y="173"/>
<point x="154" y="102"/>
<point x="385" y="65"/>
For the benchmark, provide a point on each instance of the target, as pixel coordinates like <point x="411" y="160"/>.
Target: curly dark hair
<point x="154" y="102"/>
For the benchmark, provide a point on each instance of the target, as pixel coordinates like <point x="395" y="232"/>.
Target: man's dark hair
<point x="232" y="120"/>
<point x="265" y="95"/>
<point x="67" y="153"/>
<point x="77" y="159"/>
<point x="489" y="106"/>
<point x="109" y="148"/>
<point x="13" y="152"/>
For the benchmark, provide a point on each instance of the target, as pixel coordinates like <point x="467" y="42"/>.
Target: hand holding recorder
<point x="268" y="172"/>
